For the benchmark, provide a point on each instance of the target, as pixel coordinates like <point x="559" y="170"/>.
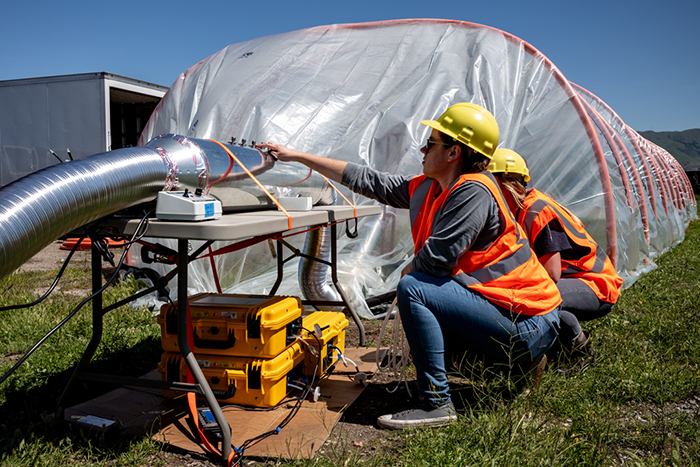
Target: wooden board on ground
<point x="127" y="409"/>
<point x="139" y="410"/>
<point x="301" y="437"/>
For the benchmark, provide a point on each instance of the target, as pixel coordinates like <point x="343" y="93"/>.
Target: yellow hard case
<point x="332" y="326"/>
<point x="233" y="324"/>
<point x="254" y="382"/>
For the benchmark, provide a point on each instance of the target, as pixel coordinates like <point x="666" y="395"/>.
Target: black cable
<point x="81" y="304"/>
<point x="248" y="408"/>
<point x="53" y="286"/>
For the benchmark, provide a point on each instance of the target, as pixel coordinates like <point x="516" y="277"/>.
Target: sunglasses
<point x="430" y="142"/>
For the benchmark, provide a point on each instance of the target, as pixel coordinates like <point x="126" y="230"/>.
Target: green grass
<point x="29" y="435"/>
<point x="638" y="404"/>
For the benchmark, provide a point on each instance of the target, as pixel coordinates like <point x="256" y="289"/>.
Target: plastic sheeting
<point x="358" y="92"/>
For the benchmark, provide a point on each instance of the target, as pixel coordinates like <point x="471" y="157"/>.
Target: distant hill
<point x="683" y="145"/>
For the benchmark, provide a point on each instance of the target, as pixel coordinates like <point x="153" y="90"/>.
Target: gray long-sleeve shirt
<point x="469" y="219"/>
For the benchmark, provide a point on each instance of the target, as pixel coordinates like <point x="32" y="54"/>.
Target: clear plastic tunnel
<point x="358" y="92"/>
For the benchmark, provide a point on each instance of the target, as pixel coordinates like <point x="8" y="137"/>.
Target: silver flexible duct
<point x="43" y="206"/>
<point x="313" y="275"/>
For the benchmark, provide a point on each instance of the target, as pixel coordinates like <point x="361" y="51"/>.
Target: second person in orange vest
<point x="473" y="279"/>
<point x="585" y="276"/>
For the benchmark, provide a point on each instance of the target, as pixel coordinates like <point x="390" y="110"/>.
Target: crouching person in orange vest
<point x="473" y="279"/>
<point x="585" y="276"/>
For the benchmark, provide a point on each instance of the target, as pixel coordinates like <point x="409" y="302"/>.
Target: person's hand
<point x="407" y="269"/>
<point x="331" y="168"/>
<point x="278" y="151"/>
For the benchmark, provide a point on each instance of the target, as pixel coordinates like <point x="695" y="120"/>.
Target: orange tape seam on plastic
<point x="213" y="270"/>
<point x="245" y="169"/>
<point x="354" y="209"/>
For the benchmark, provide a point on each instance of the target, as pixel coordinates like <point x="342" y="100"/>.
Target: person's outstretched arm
<point x="331" y="168"/>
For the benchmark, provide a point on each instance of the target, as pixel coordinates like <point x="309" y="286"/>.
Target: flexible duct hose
<point x="313" y="275"/>
<point x="43" y="206"/>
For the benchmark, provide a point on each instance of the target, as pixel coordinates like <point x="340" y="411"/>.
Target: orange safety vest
<point x="595" y="268"/>
<point x="508" y="273"/>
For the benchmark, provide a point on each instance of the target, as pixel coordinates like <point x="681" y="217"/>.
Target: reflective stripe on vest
<point x="418" y="197"/>
<point x="597" y="268"/>
<point x="504" y="266"/>
<point x="537" y="207"/>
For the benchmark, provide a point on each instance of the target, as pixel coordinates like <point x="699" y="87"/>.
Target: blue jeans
<point x="435" y="310"/>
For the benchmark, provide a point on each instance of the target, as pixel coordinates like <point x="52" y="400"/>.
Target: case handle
<point x="214" y="344"/>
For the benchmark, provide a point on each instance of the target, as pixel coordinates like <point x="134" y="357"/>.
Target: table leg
<point x="280" y="268"/>
<point x="97" y="319"/>
<point x="189" y="357"/>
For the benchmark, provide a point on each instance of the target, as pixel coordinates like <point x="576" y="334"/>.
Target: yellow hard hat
<point x="509" y="162"/>
<point x="469" y="124"/>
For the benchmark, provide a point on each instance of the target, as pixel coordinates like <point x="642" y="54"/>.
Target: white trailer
<point x="72" y="115"/>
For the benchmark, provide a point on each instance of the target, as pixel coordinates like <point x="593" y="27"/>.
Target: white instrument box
<point x="186" y="206"/>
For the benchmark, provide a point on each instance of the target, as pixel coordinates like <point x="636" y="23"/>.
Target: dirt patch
<point x="10" y="358"/>
<point x="52" y="257"/>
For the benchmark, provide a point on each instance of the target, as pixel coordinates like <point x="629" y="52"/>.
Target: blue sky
<point x="641" y="57"/>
